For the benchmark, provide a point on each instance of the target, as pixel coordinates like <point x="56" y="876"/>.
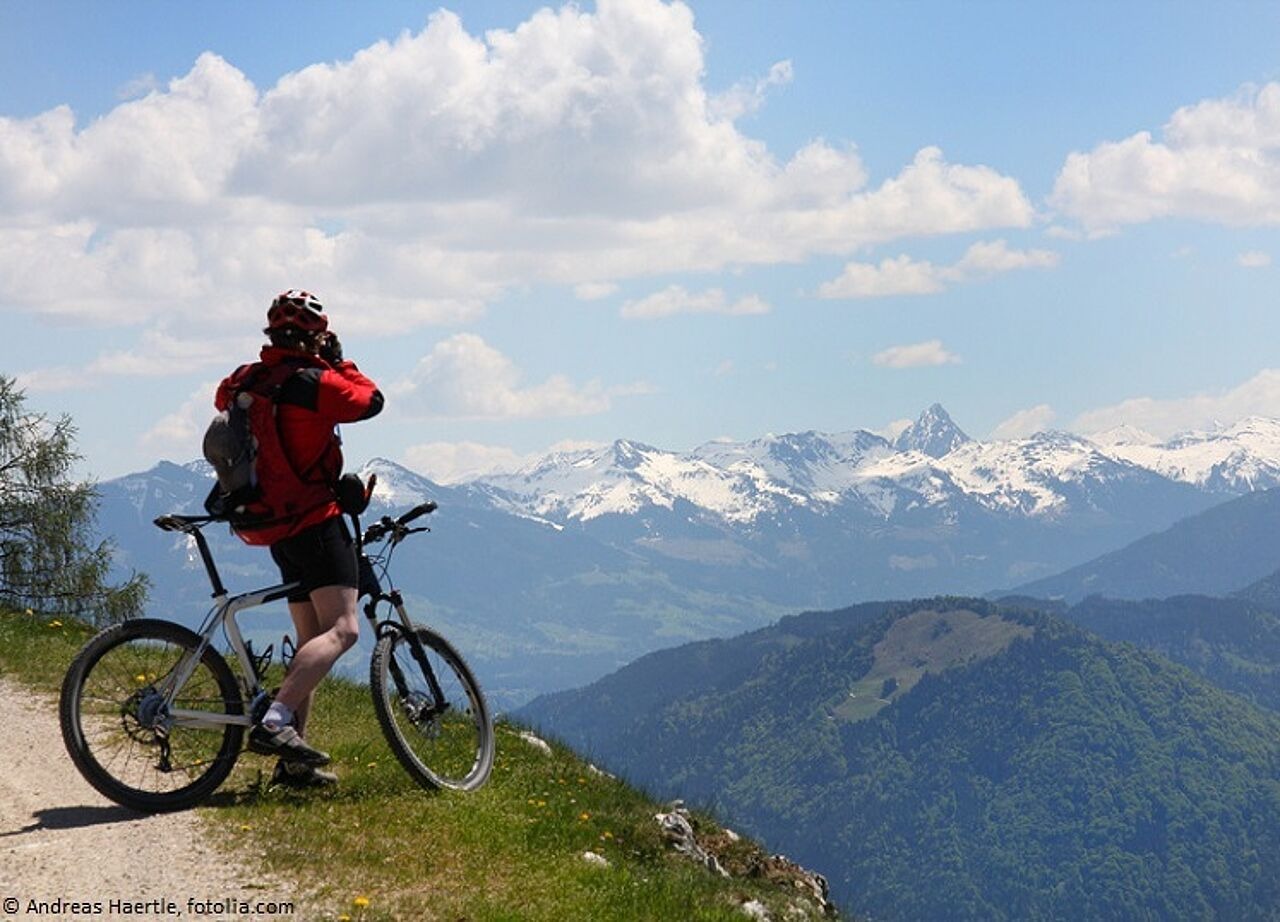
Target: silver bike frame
<point x="224" y="611"/>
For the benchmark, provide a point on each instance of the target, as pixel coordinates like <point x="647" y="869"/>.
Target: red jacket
<point x="309" y="407"/>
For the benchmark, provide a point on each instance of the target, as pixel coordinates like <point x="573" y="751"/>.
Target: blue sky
<point x="543" y="226"/>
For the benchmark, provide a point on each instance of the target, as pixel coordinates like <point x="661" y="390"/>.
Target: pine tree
<point x="47" y="522"/>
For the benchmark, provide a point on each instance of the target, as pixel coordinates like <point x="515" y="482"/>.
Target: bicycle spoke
<point x="116" y="716"/>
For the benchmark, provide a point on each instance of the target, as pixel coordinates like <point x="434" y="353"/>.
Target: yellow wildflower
<point x="360" y="902"/>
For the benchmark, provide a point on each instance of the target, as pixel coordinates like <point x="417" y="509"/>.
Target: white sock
<point x="277" y="716"/>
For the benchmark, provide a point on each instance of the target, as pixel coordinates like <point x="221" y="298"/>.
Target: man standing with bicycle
<point x="310" y="389"/>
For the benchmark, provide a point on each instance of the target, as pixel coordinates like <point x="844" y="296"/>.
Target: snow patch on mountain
<point x="1026" y="475"/>
<point x="1239" y="458"/>
<point x="397" y="486"/>
<point x="627" y="477"/>
<point x="932" y="464"/>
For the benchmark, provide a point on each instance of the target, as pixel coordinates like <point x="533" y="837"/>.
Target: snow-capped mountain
<point x="581" y="562"/>
<point x="934" y="434"/>
<point x="932" y="464"/>
<point x="627" y="477"/>
<point x="1236" y="459"/>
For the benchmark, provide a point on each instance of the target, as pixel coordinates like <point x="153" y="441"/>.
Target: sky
<point x="547" y="227"/>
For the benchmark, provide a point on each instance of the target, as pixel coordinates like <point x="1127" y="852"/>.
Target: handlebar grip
<point x="423" y="509"/>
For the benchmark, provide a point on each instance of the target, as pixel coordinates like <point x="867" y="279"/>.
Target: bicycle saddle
<point x="187" y="523"/>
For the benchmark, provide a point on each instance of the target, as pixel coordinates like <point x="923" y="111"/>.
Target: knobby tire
<point x="454" y="749"/>
<point x="113" y="681"/>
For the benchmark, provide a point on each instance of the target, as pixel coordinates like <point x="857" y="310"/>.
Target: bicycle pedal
<point x="287" y="650"/>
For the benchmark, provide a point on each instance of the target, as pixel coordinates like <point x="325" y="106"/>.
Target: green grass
<point x="512" y="850"/>
<point x="927" y="641"/>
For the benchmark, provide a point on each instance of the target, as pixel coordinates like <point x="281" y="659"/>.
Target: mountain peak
<point x="933" y="434"/>
<point x="1124" y="434"/>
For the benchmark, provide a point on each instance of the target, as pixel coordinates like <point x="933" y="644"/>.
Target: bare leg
<point x="306" y="626"/>
<point x="335" y="611"/>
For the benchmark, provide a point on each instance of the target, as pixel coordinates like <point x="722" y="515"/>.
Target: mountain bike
<point x="154" y="717"/>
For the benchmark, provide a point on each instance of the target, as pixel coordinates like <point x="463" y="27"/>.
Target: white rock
<point x="536" y="742"/>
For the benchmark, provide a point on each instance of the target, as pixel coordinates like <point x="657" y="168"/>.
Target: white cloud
<point x="890" y="431"/>
<point x="177" y="434"/>
<point x="899" y="275"/>
<point x="916" y="355"/>
<point x="454" y="462"/>
<point x="1025" y="422"/>
<point x="158" y="354"/>
<point x="1259" y="396"/>
<point x="1253" y="259"/>
<point x="140" y="85"/>
<point x="594" y="291"/>
<point x="675" y="299"/>
<point x="465" y="377"/>
<point x="904" y="276"/>
<point x="987" y="258"/>
<point x="426" y="176"/>
<point x="747" y="96"/>
<point x="1218" y="161"/>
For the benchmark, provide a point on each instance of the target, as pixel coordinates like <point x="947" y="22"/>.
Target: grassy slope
<point x="510" y="851"/>
<point x="1056" y="776"/>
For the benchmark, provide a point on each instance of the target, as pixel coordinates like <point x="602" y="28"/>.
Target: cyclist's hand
<point x="330" y="348"/>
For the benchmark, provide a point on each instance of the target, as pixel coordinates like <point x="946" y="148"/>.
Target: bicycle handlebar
<point x="421" y="509"/>
<point x="398" y="527"/>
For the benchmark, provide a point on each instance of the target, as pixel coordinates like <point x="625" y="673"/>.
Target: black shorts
<point x="323" y="555"/>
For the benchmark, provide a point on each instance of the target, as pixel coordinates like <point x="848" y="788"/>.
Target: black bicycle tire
<point x="378" y="684"/>
<point x="102" y="780"/>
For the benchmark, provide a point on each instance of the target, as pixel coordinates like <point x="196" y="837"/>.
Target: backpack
<point x="258" y="490"/>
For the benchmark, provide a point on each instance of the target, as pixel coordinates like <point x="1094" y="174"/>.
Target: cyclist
<point x="315" y="547"/>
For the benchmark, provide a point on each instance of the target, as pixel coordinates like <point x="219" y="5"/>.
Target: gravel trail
<point x="61" y="840"/>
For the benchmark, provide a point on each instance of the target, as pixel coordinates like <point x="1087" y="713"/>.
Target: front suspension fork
<point x="404" y="630"/>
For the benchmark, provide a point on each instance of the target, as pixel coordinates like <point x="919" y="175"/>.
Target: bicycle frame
<point x="223" y="614"/>
<point x="153" y="714"/>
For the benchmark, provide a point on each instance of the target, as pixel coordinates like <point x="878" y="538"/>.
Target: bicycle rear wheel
<point x="117" y="727"/>
<point x="443" y="742"/>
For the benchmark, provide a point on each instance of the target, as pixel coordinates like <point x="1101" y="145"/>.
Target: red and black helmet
<point x="297" y="308"/>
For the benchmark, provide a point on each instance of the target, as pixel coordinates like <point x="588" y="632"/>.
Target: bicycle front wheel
<point x="123" y="736"/>
<point x="432" y="711"/>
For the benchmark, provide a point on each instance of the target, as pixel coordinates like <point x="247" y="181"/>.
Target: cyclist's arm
<point x="339" y="393"/>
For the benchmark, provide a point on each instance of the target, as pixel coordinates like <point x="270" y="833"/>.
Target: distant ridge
<point x="1216" y="552"/>
<point x="585" y="559"/>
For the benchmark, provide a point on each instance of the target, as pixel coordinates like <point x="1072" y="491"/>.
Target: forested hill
<point x="957" y="759"/>
<point x="1234" y="642"/>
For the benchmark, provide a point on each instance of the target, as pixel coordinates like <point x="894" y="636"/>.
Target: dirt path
<point x="61" y="840"/>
